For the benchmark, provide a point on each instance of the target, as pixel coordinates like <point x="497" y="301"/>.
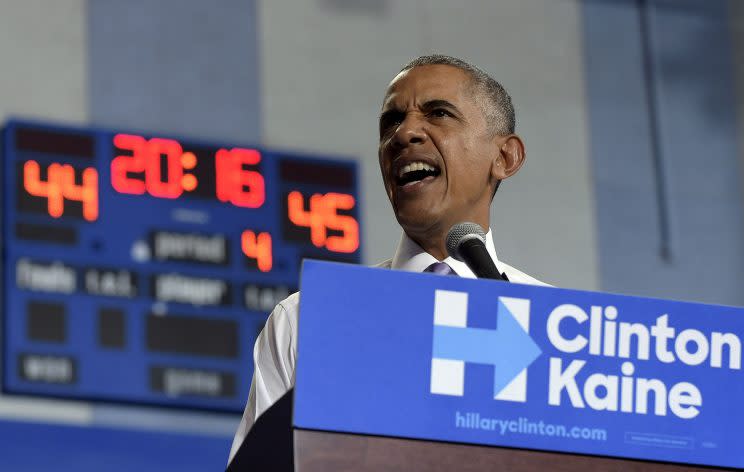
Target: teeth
<point x="414" y="166"/>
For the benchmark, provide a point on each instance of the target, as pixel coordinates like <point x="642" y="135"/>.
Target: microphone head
<point x="460" y="233"/>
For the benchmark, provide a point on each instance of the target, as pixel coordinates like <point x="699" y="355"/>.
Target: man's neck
<point x="433" y="243"/>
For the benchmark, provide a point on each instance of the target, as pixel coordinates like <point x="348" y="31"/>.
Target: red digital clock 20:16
<point x="233" y="183"/>
<point x="142" y="172"/>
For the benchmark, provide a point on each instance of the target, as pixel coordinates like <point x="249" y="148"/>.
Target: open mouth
<point x="415" y="172"/>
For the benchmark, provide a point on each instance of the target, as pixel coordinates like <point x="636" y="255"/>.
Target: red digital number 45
<point x="322" y="216"/>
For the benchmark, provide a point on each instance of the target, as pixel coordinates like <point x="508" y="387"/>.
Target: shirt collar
<point x="412" y="258"/>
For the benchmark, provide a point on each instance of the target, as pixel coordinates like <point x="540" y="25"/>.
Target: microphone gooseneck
<point x="466" y="242"/>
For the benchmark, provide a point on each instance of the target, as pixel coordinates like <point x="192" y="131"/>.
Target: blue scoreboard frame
<point x="139" y="268"/>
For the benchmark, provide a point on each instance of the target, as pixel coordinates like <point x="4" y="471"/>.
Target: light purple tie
<point x="440" y="268"/>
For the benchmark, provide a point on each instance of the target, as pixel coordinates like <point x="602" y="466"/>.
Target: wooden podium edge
<point x="274" y="445"/>
<point x="316" y="450"/>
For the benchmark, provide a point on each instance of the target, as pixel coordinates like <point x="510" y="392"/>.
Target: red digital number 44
<point x="60" y="186"/>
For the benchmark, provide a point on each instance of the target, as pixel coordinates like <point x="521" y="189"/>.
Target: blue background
<point x="26" y="446"/>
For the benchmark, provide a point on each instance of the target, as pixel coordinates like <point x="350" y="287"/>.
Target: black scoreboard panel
<point x="141" y="268"/>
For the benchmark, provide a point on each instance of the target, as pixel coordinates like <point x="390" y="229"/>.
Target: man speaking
<point x="446" y="142"/>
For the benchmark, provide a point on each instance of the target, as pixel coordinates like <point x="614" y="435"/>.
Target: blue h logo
<point x="509" y="349"/>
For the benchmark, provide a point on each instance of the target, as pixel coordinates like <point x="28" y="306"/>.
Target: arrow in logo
<point x="509" y="348"/>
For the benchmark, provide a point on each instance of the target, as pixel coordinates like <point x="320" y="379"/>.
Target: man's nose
<point x="410" y="131"/>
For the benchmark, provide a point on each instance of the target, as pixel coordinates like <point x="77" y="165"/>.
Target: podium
<point x="414" y="372"/>
<point x="279" y="447"/>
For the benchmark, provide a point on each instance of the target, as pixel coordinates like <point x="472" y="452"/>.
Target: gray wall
<point x="43" y="59"/>
<point x="665" y="146"/>
<point x="188" y="68"/>
<point x="736" y="23"/>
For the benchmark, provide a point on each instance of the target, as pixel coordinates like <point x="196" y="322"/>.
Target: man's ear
<point x="510" y="158"/>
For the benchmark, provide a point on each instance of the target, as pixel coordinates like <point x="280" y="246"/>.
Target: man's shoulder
<point x="519" y="277"/>
<point x="515" y="275"/>
<point x="287" y="311"/>
<point x="290" y="304"/>
<point x="384" y="264"/>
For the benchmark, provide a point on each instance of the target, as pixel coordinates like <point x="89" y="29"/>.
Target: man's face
<point x="436" y="150"/>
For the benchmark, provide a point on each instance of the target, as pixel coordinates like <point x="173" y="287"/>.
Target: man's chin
<point x="417" y="219"/>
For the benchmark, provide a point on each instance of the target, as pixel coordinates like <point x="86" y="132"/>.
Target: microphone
<point x="466" y="242"/>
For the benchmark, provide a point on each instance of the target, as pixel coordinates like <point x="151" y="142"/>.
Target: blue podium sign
<point x="442" y="358"/>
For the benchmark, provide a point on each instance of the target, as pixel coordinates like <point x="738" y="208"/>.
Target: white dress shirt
<point x="275" y="351"/>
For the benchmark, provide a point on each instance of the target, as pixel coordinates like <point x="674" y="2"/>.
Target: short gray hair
<point x="499" y="112"/>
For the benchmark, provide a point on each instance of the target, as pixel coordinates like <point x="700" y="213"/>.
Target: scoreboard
<point x="140" y="268"/>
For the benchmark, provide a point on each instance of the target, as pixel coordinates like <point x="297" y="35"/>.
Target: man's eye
<point x="394" y="121"/>
<point x="440" y="113"/>
<point x="389" y="122"/>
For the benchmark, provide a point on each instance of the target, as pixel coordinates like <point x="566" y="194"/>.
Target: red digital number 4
<point x="258" y="247"/>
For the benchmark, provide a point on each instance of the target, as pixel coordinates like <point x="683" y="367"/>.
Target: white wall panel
<point x="43" y="59"/>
